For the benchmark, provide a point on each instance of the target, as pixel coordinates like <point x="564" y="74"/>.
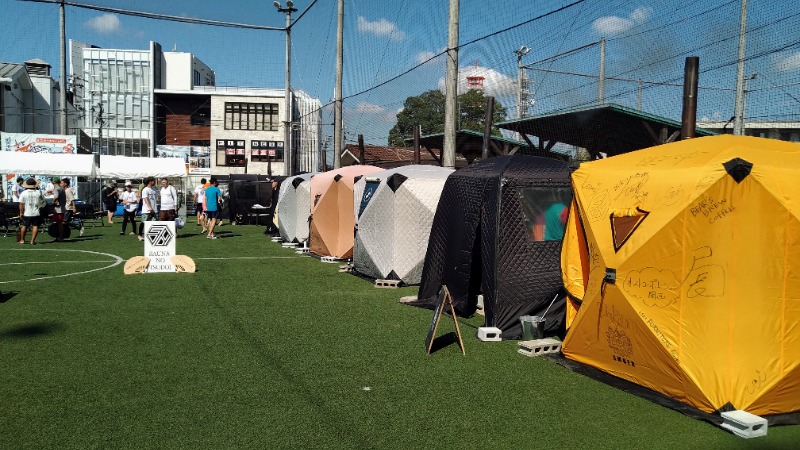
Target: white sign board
<point x="38" y="143"/>
<point x="159" y="245"/>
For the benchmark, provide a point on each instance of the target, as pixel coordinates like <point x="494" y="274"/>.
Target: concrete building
<point x="784" y="131"/>
<point x="242" y="128"/>
<point x="114" y="90"/>
<point x="30" y="100"/>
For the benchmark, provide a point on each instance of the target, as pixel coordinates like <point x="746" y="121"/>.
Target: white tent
<point x="47" y="163"/>
<point x="395" y="221"/>
<point x="294" y="208"/>
<point x="138" y="167"/>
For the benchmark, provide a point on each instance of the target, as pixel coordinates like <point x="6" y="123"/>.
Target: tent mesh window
<point x="545" y="212"/>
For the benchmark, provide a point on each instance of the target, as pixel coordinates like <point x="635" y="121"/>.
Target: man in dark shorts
<point x="31" y="203"/>
<point x="59" y="203"/>
<point x="110" y="199"/>
<point x="213" y="199"/>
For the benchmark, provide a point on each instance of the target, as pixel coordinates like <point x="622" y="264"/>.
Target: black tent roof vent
<point x="355" y="180"/>
<point x="395" y="181"/>
<point x="738" y="169"/>
<point x="296" y="182"/>
<point x="337" y="178"/>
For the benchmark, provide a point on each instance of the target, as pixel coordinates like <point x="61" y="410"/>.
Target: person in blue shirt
<point x="555" y="218"/>
<point x="213" y="199"/>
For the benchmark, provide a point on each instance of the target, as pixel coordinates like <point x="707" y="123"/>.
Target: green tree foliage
<point x="427" y="110"/>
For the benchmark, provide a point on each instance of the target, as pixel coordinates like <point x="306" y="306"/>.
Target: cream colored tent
<point x="332" y="218"/>
<point x="683" y="265"/>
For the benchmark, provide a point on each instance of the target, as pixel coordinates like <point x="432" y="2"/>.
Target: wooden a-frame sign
<point x="443" y="298"/>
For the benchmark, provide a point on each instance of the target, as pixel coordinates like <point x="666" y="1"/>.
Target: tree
<point x="427" y="110"/>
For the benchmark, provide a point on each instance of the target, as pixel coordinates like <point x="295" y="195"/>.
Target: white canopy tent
<point x="294" y="208"/>
<point x="136" y="167"/>
<point x="47" y="163"/>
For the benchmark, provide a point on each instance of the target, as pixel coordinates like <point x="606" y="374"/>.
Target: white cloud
<point x="375" y="113"/>
<point x="641" y="14"/>
<point x="105" y="24"/>
<point x="494" y="83"/>
<point x="788" y="63"/>
<point x="424" y="56"/>
<point x="381" y="28"/>
<point x="609" y="25"/>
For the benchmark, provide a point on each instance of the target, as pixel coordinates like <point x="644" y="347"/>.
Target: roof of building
<point x="12" y="70"/>
<point x="231" y="91"/>
<point x="390" y="157"/>
<point x="469" y="144"/>
<point x="610" y="129"/>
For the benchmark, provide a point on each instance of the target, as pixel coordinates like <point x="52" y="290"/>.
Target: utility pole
<point x="338" y="141"/>
<point x="738" y="114"/>
<point x="451" y="88"/>
<point x="100" y="121"/>
<point x="602" y="82"/>
<point x="289" y="154"/>
<point x="63" y="93"/>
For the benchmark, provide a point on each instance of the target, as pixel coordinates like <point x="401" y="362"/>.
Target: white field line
<point x="114" y="262"/>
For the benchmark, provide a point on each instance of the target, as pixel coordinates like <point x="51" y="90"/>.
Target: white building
<point x="30" y="100"/>
<point x="244" y="128"/>
<point x="114" y="88"/>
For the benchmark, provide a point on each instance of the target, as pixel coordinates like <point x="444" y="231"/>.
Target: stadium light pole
<point x="520" y="52"/>
<point x="288" y="156"/>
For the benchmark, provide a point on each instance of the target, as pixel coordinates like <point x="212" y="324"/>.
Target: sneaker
<point x="211" y="237"/>
<point x="140" y="238"/>
<point x="132" y="233"/>
<point x="122" y="233"/>
<point x="81" y="233"/>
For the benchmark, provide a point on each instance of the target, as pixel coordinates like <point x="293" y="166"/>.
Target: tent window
<point x="544" y="211"/>
<point x="369" y="190"/>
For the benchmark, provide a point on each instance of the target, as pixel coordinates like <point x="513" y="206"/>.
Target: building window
<point x="200" y="118"/>
<point x="230" y="152"/>
<point x="196" y="78"/>
<point x="251" y="116"/>
<point x="263" y="151"/>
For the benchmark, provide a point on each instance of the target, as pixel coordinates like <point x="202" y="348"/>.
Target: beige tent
<point x="332" y="217"/>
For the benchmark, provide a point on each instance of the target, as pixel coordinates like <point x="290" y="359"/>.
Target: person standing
<point x="211" y="207"/>
<point x="169" y="201"/>
<point x="31" y="203"/>
<point x="49" y="192"/>
<point x="70" y="210"/>
<point x="18" y="189"/>
<point x="199" y="199"/>
<point x="149" y="209"/>
<point x="110" y="199"/>
<point x="130" y="203"/>
<point x="59" y="202"/>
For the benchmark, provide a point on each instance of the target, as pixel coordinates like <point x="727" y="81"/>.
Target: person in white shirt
<point x="48" y="192"/>
<point x="199" y="199"/>
<point x="18" y="189"/>
<point x="130" y="202"/>
<point x="31" y="203"/>
<point x="169" y="201"/>
<point x="149" y="209"/>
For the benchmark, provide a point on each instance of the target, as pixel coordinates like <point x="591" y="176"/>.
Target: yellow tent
<point x="682" y="262"/>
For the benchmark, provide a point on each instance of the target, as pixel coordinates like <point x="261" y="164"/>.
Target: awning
<point x="136" y="167"/>
<point x="46" y="163"/>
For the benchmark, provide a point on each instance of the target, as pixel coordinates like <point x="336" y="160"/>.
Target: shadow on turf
<point x="6" y="296"/>
<point x="444" y="341"/>
<point x="32" y="330"/>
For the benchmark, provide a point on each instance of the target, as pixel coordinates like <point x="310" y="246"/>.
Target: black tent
<point x="485" y="239"/>
<point x="246" y="190"/>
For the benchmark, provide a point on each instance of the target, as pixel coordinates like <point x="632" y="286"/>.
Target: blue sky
<point x="647" y="40"/>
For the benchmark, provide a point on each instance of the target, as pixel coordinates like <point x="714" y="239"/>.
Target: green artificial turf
<point x="263" y="348"/>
